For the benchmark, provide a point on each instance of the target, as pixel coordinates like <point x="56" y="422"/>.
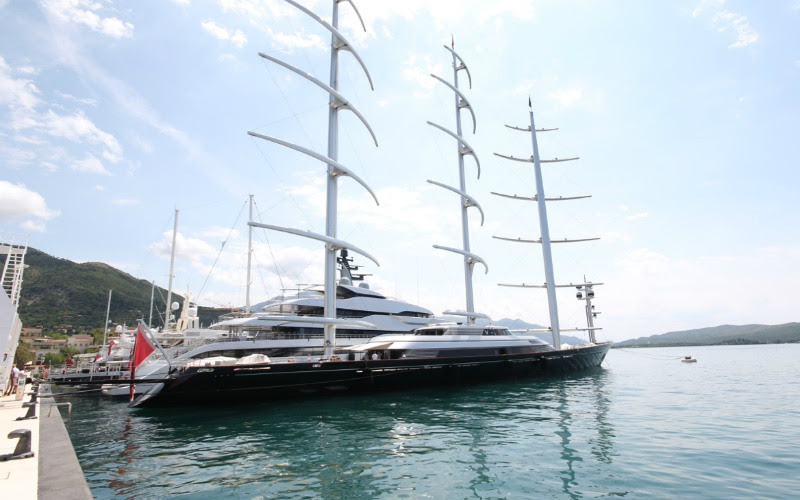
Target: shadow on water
<point x="547" y="437"/>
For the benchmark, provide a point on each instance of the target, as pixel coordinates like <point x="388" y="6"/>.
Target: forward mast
<point x="336" y="102"/>
<point x="544" y="240"/>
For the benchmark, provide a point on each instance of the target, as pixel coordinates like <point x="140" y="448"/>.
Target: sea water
<point x="644" y="426"/>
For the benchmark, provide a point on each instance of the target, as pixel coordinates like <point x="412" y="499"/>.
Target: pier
<point x="37" y="460"/>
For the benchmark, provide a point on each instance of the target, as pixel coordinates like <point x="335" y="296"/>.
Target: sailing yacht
<point x="448" y="353"/>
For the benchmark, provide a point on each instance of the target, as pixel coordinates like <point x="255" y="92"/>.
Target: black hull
<point x="252" y="383"/>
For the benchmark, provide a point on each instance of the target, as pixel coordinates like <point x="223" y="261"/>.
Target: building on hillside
<point x="12" y="261"/>
<point x="80" y="342"/>
<point x="32" y="331"/>
<point x="43" y="345"/>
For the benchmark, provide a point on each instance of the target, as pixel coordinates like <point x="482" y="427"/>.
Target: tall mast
<point x="168" y="311"/>
<point x="108" y="312"/>
<point x="335" y="169"/>
<point x="331" y="209"/>
<point x="152" y="295"/>
<point x="467" y="201"/>
<point x="544" y="229"/>
<point x="249" y="257"/>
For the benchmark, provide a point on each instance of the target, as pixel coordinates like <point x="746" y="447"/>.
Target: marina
<point x="636" y="428"/>
<point x="338" y="386"/>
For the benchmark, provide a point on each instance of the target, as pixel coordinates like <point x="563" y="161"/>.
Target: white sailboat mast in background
<point x="467" y="201"/>
<point x="168" y="309"/>
<point x="544" y="239"/>
<point x="334" y="169"/>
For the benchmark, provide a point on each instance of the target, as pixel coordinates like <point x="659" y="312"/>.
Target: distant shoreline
<point x="698" y="344"/>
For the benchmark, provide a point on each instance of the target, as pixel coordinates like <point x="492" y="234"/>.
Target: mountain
<point x="61" y="295"/>
<point x="721" y="335"/>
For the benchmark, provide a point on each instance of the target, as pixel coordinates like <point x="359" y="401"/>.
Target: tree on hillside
<point x="54" y="358"/>
<point x="23" y="355"/>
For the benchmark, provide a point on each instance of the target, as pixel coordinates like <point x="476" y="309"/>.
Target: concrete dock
<point x="33" y="425"/>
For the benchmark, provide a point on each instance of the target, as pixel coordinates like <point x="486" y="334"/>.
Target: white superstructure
<point x="12" y="257"/>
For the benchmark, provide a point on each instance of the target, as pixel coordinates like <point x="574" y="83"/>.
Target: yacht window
<point x="431" y="331"/>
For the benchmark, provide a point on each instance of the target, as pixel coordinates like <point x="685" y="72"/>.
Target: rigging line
<point x="271" y="253"/>
<point x="221" y="248"/>
<point x="663" y="357"/>
<point x="280" y="178"/>
<point x="293" y="112"/>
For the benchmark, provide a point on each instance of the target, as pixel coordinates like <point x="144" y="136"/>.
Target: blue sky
<point x="685" y="115"/>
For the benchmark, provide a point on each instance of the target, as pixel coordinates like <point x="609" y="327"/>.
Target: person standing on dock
<point x="12" y="388"/>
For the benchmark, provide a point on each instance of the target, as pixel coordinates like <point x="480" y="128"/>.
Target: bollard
<point x="23" y="449"/>
<point x="31" y="411"/>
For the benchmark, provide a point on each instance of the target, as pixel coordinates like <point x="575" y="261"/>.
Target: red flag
<point x="142" y="347"/>
<point x="110" y="346"/>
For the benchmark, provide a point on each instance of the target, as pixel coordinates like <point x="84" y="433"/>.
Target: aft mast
<point x="334" y="169"/>
<point x="467" y="201"/>
<point x="544" y="238"/>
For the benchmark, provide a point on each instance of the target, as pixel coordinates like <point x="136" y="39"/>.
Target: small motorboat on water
<point x="688" y="359"/>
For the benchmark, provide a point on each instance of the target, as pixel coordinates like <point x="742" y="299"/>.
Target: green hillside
<point x="721" y="335"/>
<point x="58" y="294"/>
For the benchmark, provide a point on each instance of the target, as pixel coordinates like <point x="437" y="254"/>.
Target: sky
<point x="684" y="113"/>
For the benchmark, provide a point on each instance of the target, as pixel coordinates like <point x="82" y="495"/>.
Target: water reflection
<point x="533" y="437"/>
<point x="569" y="392"/>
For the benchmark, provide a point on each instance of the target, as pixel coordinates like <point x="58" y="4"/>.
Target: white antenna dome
<point x="175" y="306"/>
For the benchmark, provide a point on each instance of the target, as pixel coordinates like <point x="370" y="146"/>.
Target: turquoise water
<point x="645" y="426"/>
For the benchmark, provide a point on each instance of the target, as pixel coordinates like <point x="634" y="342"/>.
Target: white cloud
<point x="33" y="226"/>
<point x="87" y="101"/>
<point x="221" y="33"/>
<point x="35" y="129"/>
<point x="733" y="289"/>
<point x="79" y="128"/>
<point x="293" y="41"/>
<point x="90" y="165"/>
<point x="85" y="12"/>
<point x="186" y="248"/>
<point x="722" y="20"/>
<point x="16" y="201"/>
<point x="418" y="69"/>
<point x="567" y="97"/>
<point x="16" y="92"/>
